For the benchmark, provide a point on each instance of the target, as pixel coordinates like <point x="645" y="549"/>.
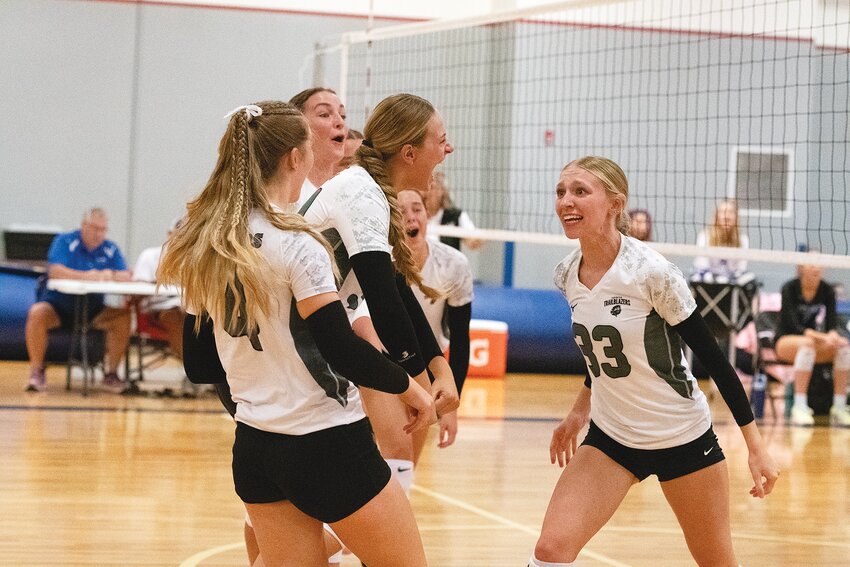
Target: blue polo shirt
<point x="68" y="250"/>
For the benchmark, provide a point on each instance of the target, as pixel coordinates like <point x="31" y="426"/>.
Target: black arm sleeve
<point x="200" y="356"/>
<point x="696" y="335"/>
<point x="831" y="323"/>
<point x="459" y="318"/>
<point x="789" y="321"/>
<point x="376" y="275"/>
<point x="424" y="334"/>
<point x="350" y="355"/>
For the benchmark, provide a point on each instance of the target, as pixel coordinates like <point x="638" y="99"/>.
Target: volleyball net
<point x="697" y="101"/>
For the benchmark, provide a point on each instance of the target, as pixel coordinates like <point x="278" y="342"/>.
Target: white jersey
<point x="643" y="394"/>
<point x="277" y="377"/>
<point x="447" y="271"/>
<point x="353" y="214"/>
<point x="307" y="190"/>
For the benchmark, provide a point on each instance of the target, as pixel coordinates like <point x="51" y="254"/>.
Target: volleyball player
<point x="265" y="279"/>
<point x="325" y="114"/>
<point x="357" y="210"/>
<point x="446" y="270"/>
<point x="631" y="308"/>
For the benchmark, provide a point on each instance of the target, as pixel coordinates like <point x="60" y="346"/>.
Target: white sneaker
<point x="839" y="417"/>
<point x="802" y="416"/>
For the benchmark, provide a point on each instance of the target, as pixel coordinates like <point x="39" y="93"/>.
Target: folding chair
<point x="773" y="371"/>
<point x="150" y="343"/>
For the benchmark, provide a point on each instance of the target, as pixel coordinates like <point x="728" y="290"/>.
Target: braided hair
<point x="212" y="254"/>
<point x="396" y="121"/>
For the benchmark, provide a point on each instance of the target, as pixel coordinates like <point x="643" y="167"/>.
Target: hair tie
<point x="251" y="110"/>
<point x="368" y="143"/>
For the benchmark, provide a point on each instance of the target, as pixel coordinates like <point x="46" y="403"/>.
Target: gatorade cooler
<point x="488" y="348"/>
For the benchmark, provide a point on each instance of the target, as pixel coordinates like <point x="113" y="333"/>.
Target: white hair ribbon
<point x="250" y="109"/>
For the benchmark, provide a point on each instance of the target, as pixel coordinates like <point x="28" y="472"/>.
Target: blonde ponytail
<point x="397" y="120"/>
<point x="211" y="256"/>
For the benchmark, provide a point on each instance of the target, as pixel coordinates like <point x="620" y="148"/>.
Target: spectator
<point x="441" y="211"/>
<point x="807" y="335"/>
<point x="724" y="231"/>
<point x="83" y="254"/>
<point x="164" y="312"/>
<point x="640" y="226"/>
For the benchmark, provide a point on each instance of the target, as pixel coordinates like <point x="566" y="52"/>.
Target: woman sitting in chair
<point x="807" y="336"/>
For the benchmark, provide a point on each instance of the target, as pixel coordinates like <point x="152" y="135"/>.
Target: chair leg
<point x="70" y="362"/>
<point x="141" y="353"/>
<point x="127" y="375"/>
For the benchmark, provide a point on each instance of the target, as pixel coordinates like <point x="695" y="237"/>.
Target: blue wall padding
<point x="540" y="336"/>
<point x="17" y="294"/>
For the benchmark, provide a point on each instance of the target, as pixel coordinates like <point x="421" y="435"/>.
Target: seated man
<point x="83" y="254"/>
<point x="164" y="312"/>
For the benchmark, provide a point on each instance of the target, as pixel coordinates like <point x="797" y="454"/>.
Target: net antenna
<point x="697" y="101"/>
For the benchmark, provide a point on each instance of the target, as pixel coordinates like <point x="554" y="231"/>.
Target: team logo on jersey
<point x="257" y="240"/>
<point x="353" y="301"/>
<point x="617" y="303"/>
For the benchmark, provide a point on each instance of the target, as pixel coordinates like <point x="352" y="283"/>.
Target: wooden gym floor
<point x="118" y="480"/>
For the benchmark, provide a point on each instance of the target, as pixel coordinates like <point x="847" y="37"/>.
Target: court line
<point x="506" y="522"/>
<point x="102" y="409"/>
<point x="196" y="559"/>
<point x="735" y="535"/>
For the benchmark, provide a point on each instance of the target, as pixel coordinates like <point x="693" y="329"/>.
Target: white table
<point x="81" y="289"/>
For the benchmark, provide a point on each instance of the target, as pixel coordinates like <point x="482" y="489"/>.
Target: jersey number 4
<point x="238" y="328"/>
<point x="616" y="364"/>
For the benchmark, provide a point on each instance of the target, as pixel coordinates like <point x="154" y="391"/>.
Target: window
<point x="762" y="181"/>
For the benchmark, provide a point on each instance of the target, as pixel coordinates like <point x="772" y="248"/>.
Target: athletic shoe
<point x="802" y="416"/>
<point x="38" y="381"/>
<point x="112" y="383"/>
<point x="839" y="417"/>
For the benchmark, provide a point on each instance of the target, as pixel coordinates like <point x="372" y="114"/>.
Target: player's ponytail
<point x="397" y="120"/>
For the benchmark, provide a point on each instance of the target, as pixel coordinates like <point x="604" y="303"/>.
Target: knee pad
<point x="804" y="360"/>
<point x="842" y="359"/>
